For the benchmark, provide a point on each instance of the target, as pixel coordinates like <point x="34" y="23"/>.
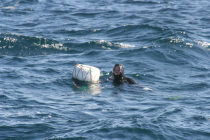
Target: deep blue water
<point x="164" y="46"/>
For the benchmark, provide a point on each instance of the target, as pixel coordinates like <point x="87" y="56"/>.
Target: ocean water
<point x="163" y="45"/>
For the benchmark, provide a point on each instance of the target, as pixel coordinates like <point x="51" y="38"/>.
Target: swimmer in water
<point x="119" y="78"/>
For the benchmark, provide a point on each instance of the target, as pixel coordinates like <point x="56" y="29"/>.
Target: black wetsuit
<point x="120" y="79"/>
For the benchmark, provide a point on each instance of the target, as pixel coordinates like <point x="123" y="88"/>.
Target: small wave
<point x="177" y="41"/>
<point x="140" y="2"/>
<point x="131" y="29"/>
<point x="58" y="46"/>
<point x="14" y="44"/>
<point x="107" y="44"/>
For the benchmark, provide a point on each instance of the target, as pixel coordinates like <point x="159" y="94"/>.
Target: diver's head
<point x="118" y="71"/>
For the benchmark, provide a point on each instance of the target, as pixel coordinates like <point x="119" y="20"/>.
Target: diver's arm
<point x="131" y="81"/>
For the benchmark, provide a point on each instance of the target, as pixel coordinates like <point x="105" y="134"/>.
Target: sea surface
<point x="163" y="45"/>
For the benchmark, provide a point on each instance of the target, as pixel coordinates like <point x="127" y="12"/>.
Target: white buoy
<point x="86" y="73"/>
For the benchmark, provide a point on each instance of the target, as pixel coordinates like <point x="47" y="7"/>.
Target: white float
<point x="86" y="73"/>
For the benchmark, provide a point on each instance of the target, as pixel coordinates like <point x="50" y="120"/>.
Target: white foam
<point x="58" y="46"/>
<point x="95" y="30"/>
<point x="176" y="40"/>
<point x="9" y="7"/>
<point x="188" y="44"/>
<point x="119" y="45"/>
<point x="146" y="88"/>
<point x="203" y="43"/>
<point x="10" y="39"/>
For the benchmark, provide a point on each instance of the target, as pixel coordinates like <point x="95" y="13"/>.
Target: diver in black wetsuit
<point x="119" y="78"/>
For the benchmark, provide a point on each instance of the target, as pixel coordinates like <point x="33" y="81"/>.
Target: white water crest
<point x="110" y="44"/>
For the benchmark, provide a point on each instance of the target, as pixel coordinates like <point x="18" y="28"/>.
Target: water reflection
<point x="82" y="86"/>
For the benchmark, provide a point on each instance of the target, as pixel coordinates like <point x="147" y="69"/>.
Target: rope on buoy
<point x="87" y="73"/>
<point x="94" y="73"/>
<point x="91" y="74"/>
<point x="74" y="69"/>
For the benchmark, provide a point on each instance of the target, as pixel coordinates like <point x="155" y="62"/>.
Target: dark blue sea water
<point x="163" y="45"/>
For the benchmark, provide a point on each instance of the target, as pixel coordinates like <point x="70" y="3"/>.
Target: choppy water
<point x="163" y="45"/>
